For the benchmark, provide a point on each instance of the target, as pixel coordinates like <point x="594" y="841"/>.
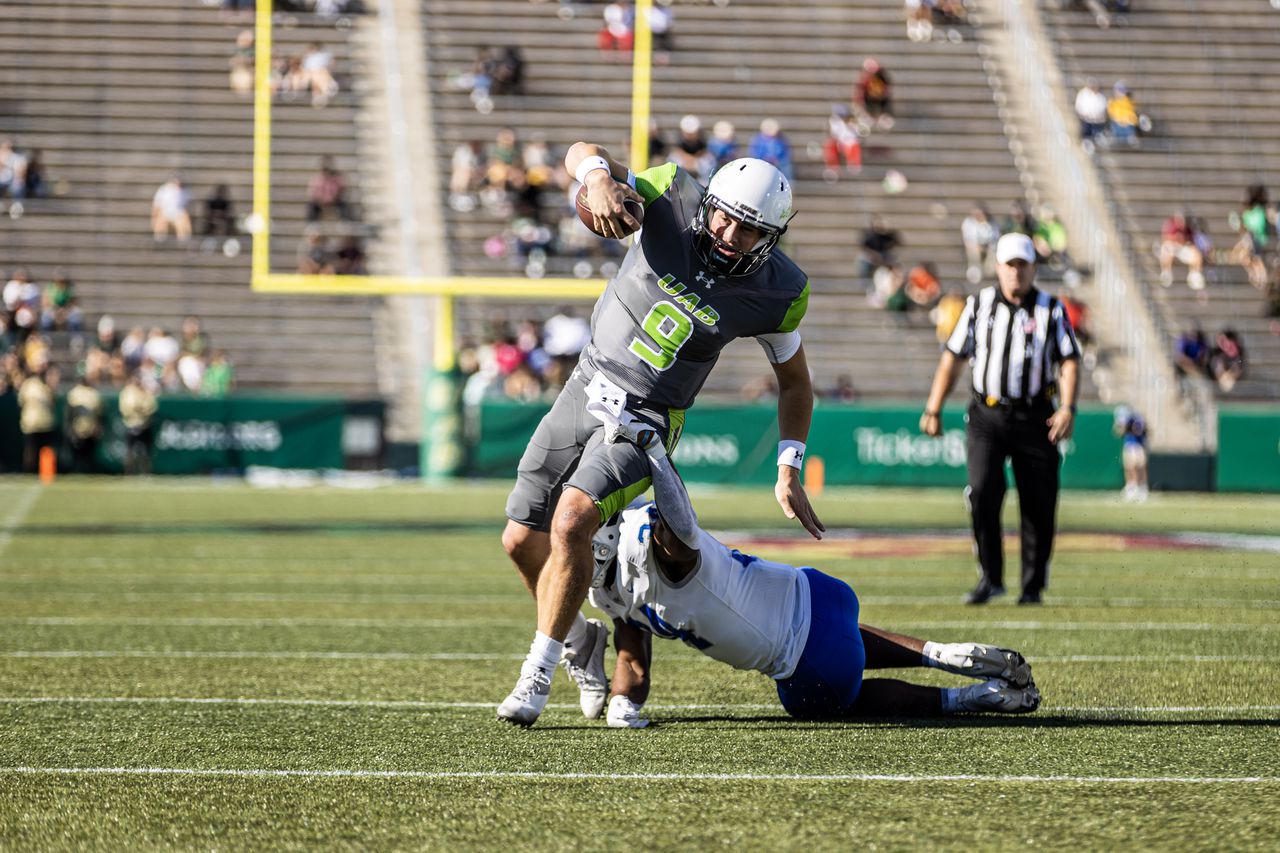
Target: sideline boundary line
<point x="254" y="773"/>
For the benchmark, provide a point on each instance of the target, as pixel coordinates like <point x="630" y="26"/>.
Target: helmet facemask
<point x="754" y="193"/>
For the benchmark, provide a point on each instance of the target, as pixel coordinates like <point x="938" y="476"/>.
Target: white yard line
<point x="412" y="705"/>
<point x="972" y="625"/>
<point x="16" y="515"/>
<point x="255" y="773"/>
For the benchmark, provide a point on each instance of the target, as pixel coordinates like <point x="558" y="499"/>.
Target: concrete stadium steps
<point x="743" y="63"/>
<point x="117" y="96"/>
<point x="1201" y="70"/>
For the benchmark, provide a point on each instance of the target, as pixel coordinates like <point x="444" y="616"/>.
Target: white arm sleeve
<point x="673" y="501"/>
<point x="780" y="346"/>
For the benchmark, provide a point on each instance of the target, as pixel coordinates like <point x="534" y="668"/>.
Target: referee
<point x="1024" y="353"/>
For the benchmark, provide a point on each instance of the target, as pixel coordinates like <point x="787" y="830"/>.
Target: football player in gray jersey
<point x="703" y="270"/>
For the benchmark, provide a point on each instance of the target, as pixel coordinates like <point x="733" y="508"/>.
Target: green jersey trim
<point x="795" y="313"/>
<point x="652" y="183"/>
<point x="612" y="504"/>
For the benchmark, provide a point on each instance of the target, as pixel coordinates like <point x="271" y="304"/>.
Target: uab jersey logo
<point x="669" y="324"/>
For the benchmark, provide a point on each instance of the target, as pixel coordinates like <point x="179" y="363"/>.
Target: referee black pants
<point x="1020" y="434"/>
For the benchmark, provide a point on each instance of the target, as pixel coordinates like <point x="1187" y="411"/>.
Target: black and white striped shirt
<point x="1015" y="350"/>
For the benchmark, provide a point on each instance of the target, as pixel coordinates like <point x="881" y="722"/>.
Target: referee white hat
<point x="1015" y="247"/>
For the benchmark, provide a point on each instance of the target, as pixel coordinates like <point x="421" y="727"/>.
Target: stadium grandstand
<point x="115" y="98"/>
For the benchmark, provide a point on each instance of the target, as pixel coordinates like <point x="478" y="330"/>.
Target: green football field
<point x="200" y="664"/>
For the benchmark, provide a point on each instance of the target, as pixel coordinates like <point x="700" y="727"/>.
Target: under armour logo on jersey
<point x="705" y="280"/>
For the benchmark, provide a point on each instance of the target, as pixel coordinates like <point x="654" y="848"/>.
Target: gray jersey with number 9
<point x="659" y="327"/>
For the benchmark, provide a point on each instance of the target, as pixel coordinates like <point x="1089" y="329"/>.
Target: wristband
<point x="929" y="414"/>
<point x="590" y="164"/>
<point x="791" y="453"/>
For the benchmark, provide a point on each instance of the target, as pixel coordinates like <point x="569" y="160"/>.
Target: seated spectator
<point x="1227" y="359"/>
<point x="479" y="79"/>
<point x="618" y="33"/>
<point x="219" y="215"/>
<point x="317" y="71"/>
<point x="131" y="347"/>
<point x="194" y="339"/>
<point x="22" y="301"/>
<point x="947" y="313"/>
<point x="979" y="234"/>
<point x="889" y="289"/>
<point x="1254" y="225"/>
<point x="219" y="376"/>
<point x="314" y="257"/>
<point x="721" y="145"/>
<point x="761" y="388"/>
<point x="1191" y="352"/>
<point x="661" y="21"/>
<point x="873" y="96"/>
<point x="161" y="348"/>
<point x="1178" y="242"/>
<point x="843" y="142"/>
<point x="1019" y="220"/>
<point x="770" y="145"/>
<point x="919" y="19"/>
<point x="1079" y="317"/>
<point x="922" y="288"/>
<point x="1123" y="113"/>
<point x="169" y="211"/>
<point x="60" y="309"/>
<point x="326" y="192"/>
<point x="13" y="175"/>
<point x="107" y="339"/>
<point x="1091" y="108"/>
<point x="564" y="337"/>
<point x="875" y="249"/>
<point x="658" y="147"/>
<point x="691" y="151"/>
<point x="508" y="72"/>
<point x="842" y="391"/>
<point x="1050" y="239"/>
<point x="466" y="175"/>
<point x="242" y="63"/>
<point x="350" y="257"/>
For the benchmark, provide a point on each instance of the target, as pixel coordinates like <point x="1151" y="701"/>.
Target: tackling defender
<point x="703" y="271"/>
<point x="657" y="572"/>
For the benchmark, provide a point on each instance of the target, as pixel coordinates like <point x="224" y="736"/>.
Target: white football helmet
<point x="753" y="192"/>
<point x="604" y="550"/>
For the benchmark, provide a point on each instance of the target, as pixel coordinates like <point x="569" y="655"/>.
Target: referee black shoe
<point x="1030" y="597"/>
<point x="983" y="592"/>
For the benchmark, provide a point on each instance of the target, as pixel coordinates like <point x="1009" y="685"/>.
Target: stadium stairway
<point x="744" y="62"/>
<point x="1201" y="69"/>
<point x="119" y="95"/>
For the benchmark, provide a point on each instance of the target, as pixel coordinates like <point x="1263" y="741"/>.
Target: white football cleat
<point x="586" y="668"/>
<point x="978" y="660"/>
<point x="625" y="714"/>
<point x="1000" y="697"/>
<point x="528" y="699"/>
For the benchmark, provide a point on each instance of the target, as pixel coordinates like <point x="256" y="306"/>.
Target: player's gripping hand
<point x="636" y="432"/>
<point x="625" y="714"/>
<point x="794" y="502"/>
<point x="606" y="198"/>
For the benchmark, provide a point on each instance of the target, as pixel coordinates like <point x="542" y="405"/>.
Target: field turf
<point x="199" y="664"/>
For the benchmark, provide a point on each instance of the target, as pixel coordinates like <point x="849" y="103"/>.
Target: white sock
<point x="577" y="635"/>
<point x="544" y="652"/>
<point x="951" y="699"/>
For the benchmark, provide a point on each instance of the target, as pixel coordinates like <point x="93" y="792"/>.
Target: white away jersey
<point x="741" y="610"/>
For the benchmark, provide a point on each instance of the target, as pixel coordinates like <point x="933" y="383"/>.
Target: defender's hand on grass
<point x="794" y="502"/>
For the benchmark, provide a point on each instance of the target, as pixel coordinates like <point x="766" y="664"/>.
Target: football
<point x="635" y="208"/>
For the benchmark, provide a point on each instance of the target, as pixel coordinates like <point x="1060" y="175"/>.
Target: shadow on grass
<point x="994" y="721"/>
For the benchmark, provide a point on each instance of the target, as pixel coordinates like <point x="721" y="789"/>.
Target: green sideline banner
<point x="1248" y="450"/>
<point x="859" y="444"/>
<point x="195" y="435"/>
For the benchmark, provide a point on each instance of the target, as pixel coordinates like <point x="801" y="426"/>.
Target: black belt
<point x="1010" y="405"/>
